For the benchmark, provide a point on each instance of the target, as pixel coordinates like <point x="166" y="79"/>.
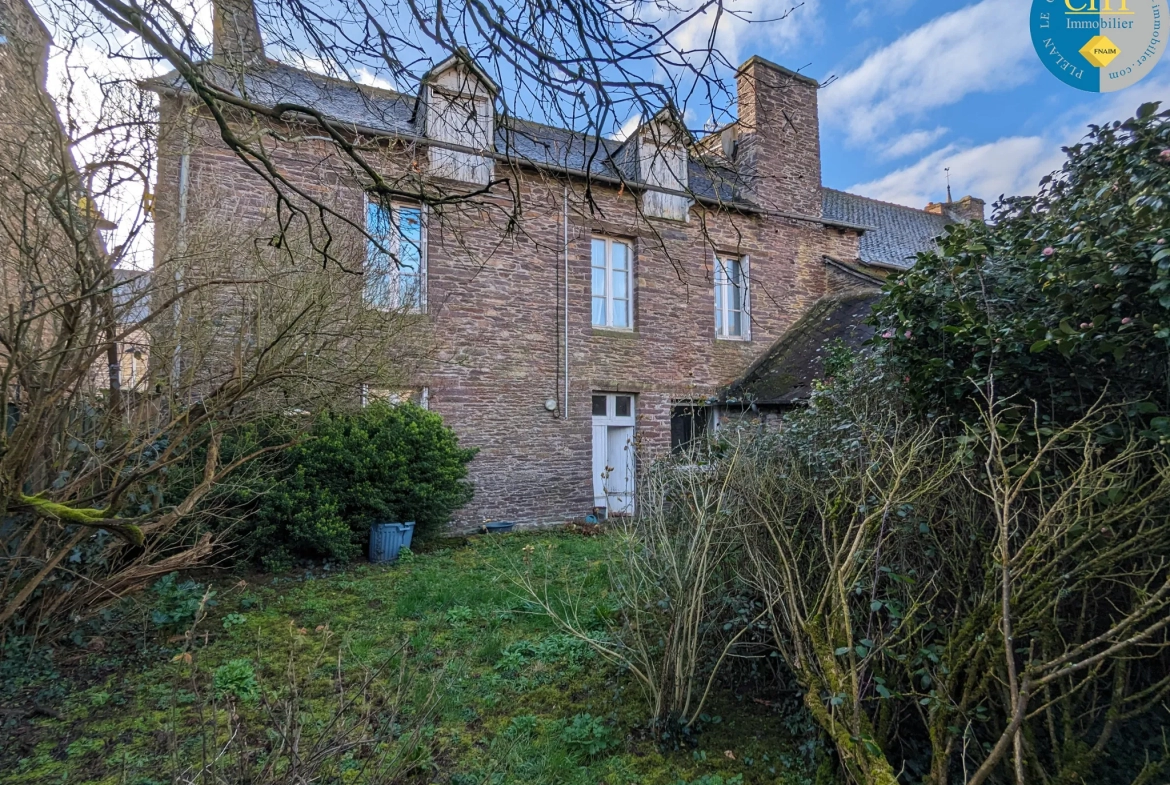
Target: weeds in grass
<point x="318" y="718"/>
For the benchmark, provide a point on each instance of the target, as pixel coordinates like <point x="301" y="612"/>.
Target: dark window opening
<point x="598" y="405"/>
<point x="688" y="423"/>
<point x="623" y="403"/>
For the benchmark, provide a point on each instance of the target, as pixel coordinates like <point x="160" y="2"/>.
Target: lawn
<point x="439" y="656"/>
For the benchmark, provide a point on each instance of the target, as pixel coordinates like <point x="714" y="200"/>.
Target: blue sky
<point x="926" y="84"/>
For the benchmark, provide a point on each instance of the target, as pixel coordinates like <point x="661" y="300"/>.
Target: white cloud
<point x="1006" y="166"/>
<point x="742" y="23"/>
<point x="1012" y="165"/>
<point x="984" y="47"/>
<point x="628" y="127"/>
<point x="913" y="142"/>
<point x="869" y="10"/>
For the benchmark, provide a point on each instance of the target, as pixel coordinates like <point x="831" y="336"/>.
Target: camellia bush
<point x="1063" y="299"/>
<point x="383" y="463"/>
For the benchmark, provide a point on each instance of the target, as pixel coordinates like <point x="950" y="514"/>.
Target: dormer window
<point x="662" y="164"/>
<point x="459" y="103"/>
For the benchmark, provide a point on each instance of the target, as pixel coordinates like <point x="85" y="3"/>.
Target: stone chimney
<point x="779" y="144"/>
<point x="966" y="209"/>
<point x="236" y="40"/>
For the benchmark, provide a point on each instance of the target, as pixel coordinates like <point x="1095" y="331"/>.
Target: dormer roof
<point x="462" y="58"/>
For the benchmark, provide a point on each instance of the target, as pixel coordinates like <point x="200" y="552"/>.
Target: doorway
<point x="613" y="453"/>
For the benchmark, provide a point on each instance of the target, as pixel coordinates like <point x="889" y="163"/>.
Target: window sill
<point x="733" y="338"/>
<point x="390" y="309"/>
<point x="615" y="332"/>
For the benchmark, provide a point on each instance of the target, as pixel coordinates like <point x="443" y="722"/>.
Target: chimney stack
<point x="779" y="150"/>
<point x="236" y="40"/>
<point x="966" y="209"/>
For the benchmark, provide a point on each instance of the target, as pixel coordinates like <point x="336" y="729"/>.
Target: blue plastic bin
<point x="499" y="527"/>
<point x="386" y="539"/>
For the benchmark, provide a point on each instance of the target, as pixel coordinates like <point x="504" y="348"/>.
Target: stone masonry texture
<point x="496" y="302"/>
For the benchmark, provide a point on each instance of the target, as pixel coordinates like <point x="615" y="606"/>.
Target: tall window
<point x="611" y="284"/>
<point x="396" y="263"/>
<point x="731" y="298"/>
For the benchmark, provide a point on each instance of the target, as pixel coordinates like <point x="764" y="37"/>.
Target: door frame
<point x="601" y="426"/>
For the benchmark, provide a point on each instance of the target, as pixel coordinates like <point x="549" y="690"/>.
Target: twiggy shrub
<point x="669" y="571"/>
<point x="1000" y="599"/>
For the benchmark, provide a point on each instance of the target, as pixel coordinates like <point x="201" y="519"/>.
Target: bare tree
<point x="588" y="69"/>
<point x="88" y="458"/>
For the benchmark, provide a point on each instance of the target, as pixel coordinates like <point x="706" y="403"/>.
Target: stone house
<point x="48" y="222"/>
<point x="599" y="334"/>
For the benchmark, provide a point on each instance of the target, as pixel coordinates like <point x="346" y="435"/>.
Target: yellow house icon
<point x="1100" y="51"/>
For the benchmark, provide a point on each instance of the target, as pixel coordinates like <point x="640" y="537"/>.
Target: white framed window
<point x="732" y="314"/>
<point x="612" y="272"/>
<point x="396" y="258"/>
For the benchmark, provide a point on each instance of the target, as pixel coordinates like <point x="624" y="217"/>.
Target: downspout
<point x="181" y="252"/>
<point x="565" y="349"/>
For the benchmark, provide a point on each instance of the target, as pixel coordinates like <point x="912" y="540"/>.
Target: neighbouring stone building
<point x="595" y="328"/>
<point x="41" y="262"/>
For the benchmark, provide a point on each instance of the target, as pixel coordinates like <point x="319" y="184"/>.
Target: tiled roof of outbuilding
<point x="785" y="373"/>
<point x="896" y="233"/>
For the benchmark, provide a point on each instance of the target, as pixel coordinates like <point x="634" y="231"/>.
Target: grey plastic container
<point x="499" y="527"/>
<point x="387" y="539"/>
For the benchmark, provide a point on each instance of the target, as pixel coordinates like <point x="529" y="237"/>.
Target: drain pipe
<point x="565" y="349"/>
<point x="181" y="252"/>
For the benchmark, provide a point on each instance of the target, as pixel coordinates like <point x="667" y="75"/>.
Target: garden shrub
<point x="1062" y="298"/>
<point x="383" y="463"/>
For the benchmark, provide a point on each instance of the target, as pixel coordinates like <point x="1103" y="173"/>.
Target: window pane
<point x="598" y="253"/>
<point x="410" y="223"/>
<point x="621" y="283"/>
<point x="409" y="220"/>
<point x="734" y="271"/>
<point x="735" y="323"/>
<point x="598" y="405"/>
<point x="599" y="311"/>
<point x="623" y="405"/>
<point x="621" y="313"/>
<point x="599" y="282"/>
<point x="619" y="256"/>
<point x="377" y="221"/>
<point x="734" y="298"/>
<point x="409" y="290"/>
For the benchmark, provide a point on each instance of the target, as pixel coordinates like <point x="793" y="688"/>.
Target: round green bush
<point x="384" y="463"/>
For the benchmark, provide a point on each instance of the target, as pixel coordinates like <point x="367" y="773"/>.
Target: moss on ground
<point x="515" y="702"/>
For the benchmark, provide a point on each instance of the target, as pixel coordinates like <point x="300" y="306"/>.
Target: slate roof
<point x="896" y="234"/>
<point x="785" y="373"/>
<point x="381" y="111"/>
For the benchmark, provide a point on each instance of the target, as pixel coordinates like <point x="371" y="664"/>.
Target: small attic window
<point x="662" y="163"/>
<point x="459" y="113"/>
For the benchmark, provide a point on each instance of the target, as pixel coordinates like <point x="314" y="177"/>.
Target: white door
<point x="613" y="452"/>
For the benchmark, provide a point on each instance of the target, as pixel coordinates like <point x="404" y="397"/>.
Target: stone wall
<point x="496" y="303"/>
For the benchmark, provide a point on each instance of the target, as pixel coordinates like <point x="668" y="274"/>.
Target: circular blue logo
<point x="1099" y="45"/>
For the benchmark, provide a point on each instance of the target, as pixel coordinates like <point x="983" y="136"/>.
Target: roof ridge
<point x="880" y="201"/>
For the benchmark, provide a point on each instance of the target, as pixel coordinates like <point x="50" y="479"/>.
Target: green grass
<point x="516" y="701"/>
